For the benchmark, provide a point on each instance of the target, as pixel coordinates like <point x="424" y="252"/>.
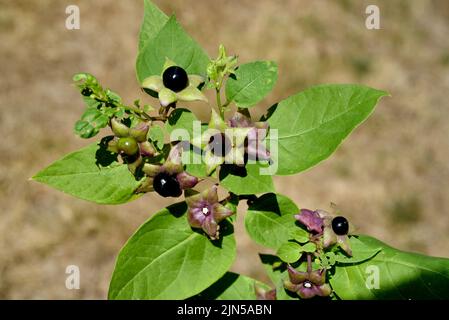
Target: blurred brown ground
<point x="390" y="177"/>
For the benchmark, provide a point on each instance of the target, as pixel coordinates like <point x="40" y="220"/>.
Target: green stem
<point x="220" y="107"/>
<point x="140" y="113"/>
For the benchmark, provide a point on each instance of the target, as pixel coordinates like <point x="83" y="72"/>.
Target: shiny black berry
<point x="86" y="92"/>
<point x="128" y="146"/>
<point x="167" y="185"/>
<point x="340" y="225"/>
<point x="220" y="144"/>
<point x="175" y="78"/>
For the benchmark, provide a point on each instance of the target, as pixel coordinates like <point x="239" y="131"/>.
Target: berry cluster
<point x="157" y="163"/>
<point x="326" y="232"/>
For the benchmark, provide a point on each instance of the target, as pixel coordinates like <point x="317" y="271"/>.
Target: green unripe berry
<point x="128" y="146"/>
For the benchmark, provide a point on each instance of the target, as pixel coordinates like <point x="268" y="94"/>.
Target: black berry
<point x="220" y="144"/>
<point x="167" y="185"/>
<point x="340" y="225"/>
<point x="86" y="92"/>
<point x="128" y="146"/>
<point x="175" y="78"/>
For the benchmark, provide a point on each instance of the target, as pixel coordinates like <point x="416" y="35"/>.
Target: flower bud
<point x="119" y="129"/>
<point x="140" y="132"/>
<point x="147" y="149"/>
<point x="311" y="220"/>
<point x="186" y="181"/>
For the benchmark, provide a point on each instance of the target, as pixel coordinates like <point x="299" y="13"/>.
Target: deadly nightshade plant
<point x="186" y="250"/>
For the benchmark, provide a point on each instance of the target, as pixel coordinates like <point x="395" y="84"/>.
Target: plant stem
<point x="220" y="107"/>
<point x="138" y="111"/>
<point x="142" y="114"/>
<point x="309" y="263"/>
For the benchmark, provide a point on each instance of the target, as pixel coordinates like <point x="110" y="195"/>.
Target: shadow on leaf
<point x="266" y="202"/>
<point x="232" y="169"/>
<point x="216" y="289"/>
<point x="103" y="156"/>
<point x="176" y="115"/>
<point x="177" y="209"/>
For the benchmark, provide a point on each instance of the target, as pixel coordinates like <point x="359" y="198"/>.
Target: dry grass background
<point x="390" y="177"/>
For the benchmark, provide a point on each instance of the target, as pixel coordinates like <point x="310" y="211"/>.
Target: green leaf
<point x="401" y="275"/>
<point x="360" y="252"/>
<point x="113" y="96"/>
<point x="270" y="220"/>
<point x="182" y="119"/>
<point x="300" y="235"/>
<point x="147" y="108"/>
<point x="246" y="180"/>
<point x="174" y="43"/>
<point x="92" y="121"/>
<point x="194" y="164"/>
<point x="153" y="21"/>
<point x="91" y="103"/>
<point x="80" y="77"/>
<point x="92" y="174"/>
<point x="309" y="247"/>
<point x="232" y="286"/>
<point x="313" y="123"/>
<point x="326" y="260"/>
<point x="251" y="83"/>
<point x="157" y="136"/>
<point x="289" y="252"/>
<point x="84" y="129"/>
<point x="95" y="117"/>
<point x="273" y="266"/>
<point x="166" y="259"/>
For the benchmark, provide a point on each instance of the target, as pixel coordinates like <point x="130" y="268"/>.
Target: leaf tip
<point x="36" y="177"/>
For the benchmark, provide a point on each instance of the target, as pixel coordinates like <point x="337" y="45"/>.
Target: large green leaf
<point x="166" y="259"/>
<point x="153" y="21"/>
<point x="360" y="252"/>
<point x="174" y="43"/>
<point x="233" y="286"/>
<point x="313" y="123"/>
<point x="246" y="180"/>
<point x="270" y="220"/>
<point x="401" y="275"/>
<point x="251" y="83"/>
<point x="182" y="119"/>
<point x="92" y="174"/>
